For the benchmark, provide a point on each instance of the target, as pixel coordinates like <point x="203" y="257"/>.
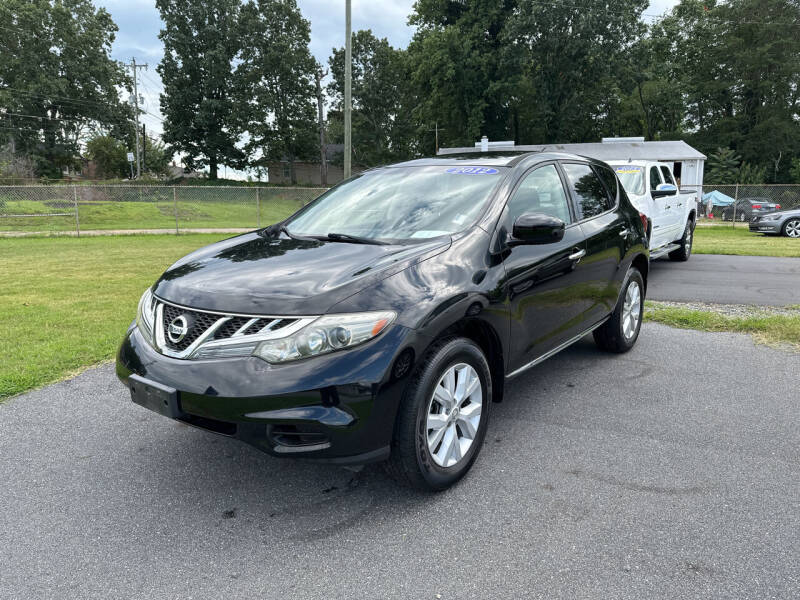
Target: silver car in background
<point x="782" y="222"/>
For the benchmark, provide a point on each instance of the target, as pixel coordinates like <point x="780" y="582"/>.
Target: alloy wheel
<point x="454" y="414"/>
<point x="793" y="228"/>
<point x="631" y="310"/>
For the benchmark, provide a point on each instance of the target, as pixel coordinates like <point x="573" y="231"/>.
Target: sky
<point x="139" y="24"/>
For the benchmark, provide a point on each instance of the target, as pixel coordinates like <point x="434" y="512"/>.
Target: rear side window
<point x="588" y="190"/>
<point x="655" y="179"/>
<point x="610" y="179"/>
<point x="667" y="175"/>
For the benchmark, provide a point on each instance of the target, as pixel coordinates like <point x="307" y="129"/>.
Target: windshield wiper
<point x="353" y="239"/>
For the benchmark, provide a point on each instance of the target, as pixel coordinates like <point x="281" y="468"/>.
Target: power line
<point x="55" y="99"/>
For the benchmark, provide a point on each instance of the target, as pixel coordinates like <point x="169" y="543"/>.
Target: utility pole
<point x="144" y="146"/>
<point x="323" y="164"/>
<point x="348" y="80"/>
<point x="133" y="67"/>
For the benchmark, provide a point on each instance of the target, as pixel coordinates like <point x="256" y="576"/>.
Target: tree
<point x="202" y="102"/>
<point x="457" y="71"/>
<point x="156" y="156"/>
<point x="723" y="167"/>
<point x="573" y="64"/>
<point x="383" y="129"/>
<point x="57" y="80"/>
<point x="738" y="64"/>
<point x="109" y="156"/>
<point x="278" y="72"/>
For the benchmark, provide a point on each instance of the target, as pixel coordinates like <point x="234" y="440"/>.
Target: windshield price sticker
<point x="473" y="171"/>
<point x="629" y="170"/>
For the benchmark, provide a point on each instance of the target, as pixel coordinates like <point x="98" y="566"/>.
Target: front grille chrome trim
<point x="205" y="340"/>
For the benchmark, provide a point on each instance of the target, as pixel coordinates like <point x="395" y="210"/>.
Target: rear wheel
<point x="685" y="251"/>
<point x="620" y="332"/>
<point x="442" y="420"/>
<point x="792" y="228"/>
<point x="742" y="217"/>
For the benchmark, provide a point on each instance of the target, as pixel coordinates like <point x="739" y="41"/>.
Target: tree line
<point x="241" y="87"/>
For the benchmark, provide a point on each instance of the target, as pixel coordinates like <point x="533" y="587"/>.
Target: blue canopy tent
<point x="717" y="198"/>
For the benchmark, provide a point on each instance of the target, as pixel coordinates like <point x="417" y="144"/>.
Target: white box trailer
<point x="687" y="163"/>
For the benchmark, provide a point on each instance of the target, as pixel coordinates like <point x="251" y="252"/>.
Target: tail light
<point x="756" y="206"/>
<point x="777" y="207"/>
<point x="643" y="217"/>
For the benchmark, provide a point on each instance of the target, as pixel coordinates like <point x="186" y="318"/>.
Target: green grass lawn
<point x="739" y="240"/>
<point x="65" y="303"/>
<point x="130" y="208"/>
<point x="767" y="328"/>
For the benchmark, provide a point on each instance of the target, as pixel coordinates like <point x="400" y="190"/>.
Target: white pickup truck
<point x="672" y="215"/>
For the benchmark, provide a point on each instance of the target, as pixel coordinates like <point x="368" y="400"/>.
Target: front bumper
<point x="769" y="226"/>
<point x="338" y="407"/>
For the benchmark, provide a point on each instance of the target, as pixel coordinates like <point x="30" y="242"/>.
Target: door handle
<point x="577" y="255"/>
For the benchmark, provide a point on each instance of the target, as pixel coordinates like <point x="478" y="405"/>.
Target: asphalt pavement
<point x="670" y="472"/>
<point x="758" y="280"/>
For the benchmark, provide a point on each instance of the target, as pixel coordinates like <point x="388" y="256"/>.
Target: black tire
<point x="610" y="335"/>
<point x="685" y="251"/>
<point x="787" y="228"/>
<point x="411" y="461"/>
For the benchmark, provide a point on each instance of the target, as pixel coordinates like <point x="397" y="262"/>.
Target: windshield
<point x="632" y="179"/>
<point x="400" y="203"/>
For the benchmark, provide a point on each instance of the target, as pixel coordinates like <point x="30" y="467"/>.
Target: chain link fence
<point x="27" y="209"/>
<point x="737" y="204"/>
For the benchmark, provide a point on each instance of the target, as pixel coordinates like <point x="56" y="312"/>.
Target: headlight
<point x="145" y="315"/>
<point x="772" y="217"/>
<point x="326" y="334"/>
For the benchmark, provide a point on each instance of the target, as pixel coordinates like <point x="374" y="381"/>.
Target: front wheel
<point x="442" y="420"/>
<point x="620" y="332"/>
<point x="685" y="251"/>
<point x="792" y="228"/>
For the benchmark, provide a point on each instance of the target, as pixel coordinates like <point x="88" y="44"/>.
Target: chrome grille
<point x="211" y="334"/>
<point x="199" y="322"/>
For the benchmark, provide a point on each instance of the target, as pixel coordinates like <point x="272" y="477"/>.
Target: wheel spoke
<point x="437" y="421"/>
<point x="436" y="437"/>
<point x="443" y="396"/>
<point x="461" y="383"/>
<point x="449" y="381"/>
<point x="474" y="384"/>
<point x="468" y="428"/>
<point x="446" y="449"/>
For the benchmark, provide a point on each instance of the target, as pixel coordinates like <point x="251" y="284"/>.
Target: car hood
<point x="260" y="275"/>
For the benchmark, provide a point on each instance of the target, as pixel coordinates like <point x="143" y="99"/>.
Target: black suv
<point x="382" y="320"/>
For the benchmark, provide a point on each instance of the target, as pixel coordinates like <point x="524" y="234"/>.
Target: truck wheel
<point x="685" y="251"/>
<point x="621" y="331"/>
<point x="792" y="228"/>
<point x="443" y="417"/>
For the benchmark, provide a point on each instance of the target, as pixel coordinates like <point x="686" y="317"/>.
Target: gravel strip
<point x="728" y="310"/>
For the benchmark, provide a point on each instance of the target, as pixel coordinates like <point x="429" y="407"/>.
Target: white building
<point x="687" y="163"/>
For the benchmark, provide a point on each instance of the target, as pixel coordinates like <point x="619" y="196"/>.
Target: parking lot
<point x="648" y="475"/>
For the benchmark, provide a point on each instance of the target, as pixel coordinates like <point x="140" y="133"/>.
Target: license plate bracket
<point x="155" y="396"/>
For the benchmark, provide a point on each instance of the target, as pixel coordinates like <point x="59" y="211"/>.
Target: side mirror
<point x="664" y="189"/>
<point x="537" y="228"/>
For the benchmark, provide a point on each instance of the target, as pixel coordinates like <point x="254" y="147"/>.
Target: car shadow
<point x="211" y="478"/>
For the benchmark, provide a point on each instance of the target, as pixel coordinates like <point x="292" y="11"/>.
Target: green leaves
<point x="203" y="101"/>
<point x="277" y="72"/>
<point x="58" y="80"/>
<point x="383" y="128"/>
